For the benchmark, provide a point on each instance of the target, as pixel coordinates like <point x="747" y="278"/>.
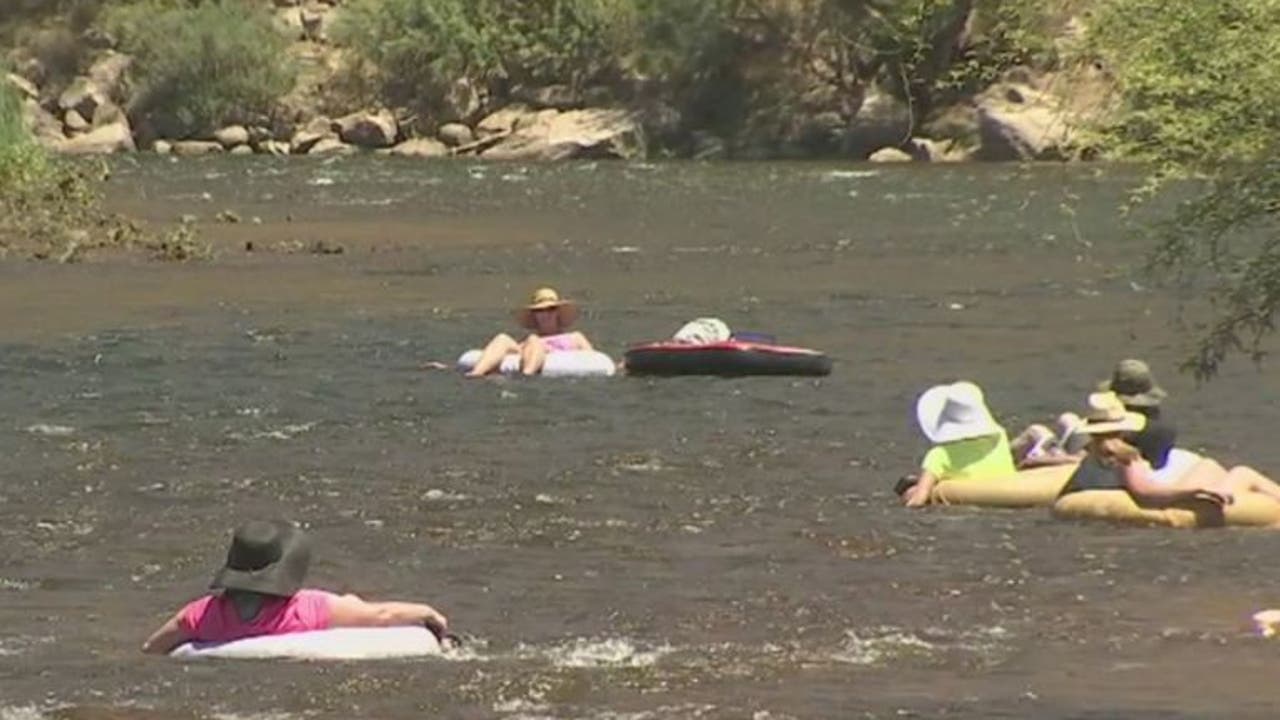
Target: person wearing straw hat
<point x="548" y="317"/>
<point x="968" y="442"/>
<point x="1114" y="462"/>
<point x="259" y="592"/>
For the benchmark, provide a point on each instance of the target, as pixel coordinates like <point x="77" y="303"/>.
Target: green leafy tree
<point x="1200" y="98"/>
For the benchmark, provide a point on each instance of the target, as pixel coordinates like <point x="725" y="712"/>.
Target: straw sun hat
<point x="547" y="298"/>
<point x="1107" y="414"/>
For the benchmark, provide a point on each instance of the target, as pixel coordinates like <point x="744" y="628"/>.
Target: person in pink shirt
<point x="261" y="593"/>
<point x="548" y="318"/>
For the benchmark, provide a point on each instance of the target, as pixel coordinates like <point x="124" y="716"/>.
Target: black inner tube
<point x="724" y="362"/>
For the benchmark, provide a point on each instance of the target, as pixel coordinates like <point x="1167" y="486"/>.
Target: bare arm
<point x="582" y="342"/>
<point x="918" y="495"/>
<point x="169" y="636"/>
<point x="352" y="611"/>
<point x="1138" y="480"/>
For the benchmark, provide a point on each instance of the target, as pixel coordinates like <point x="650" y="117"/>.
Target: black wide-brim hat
<point x="271" y="558"/>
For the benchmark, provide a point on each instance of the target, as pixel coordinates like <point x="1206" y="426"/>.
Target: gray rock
<point x="503" y="121"/>
<point x="1019" y="122"/>
<point x="242" y="150"/>
<point x="162" y="147"/>
<point x="882" y="121"/>
<point x="274" y="147"/>
<point x="74" y="122"/>
<point x="108" y="113"/>
<point x="368" y="129"/>
<point x="590" y="133"/>
<point x="231" y="136"/>
<point x="25" y="87"/>
<point x="320" y="128"/>
<point x="196" y="147"/>
<point x="331" y="146"/>
<point x="420" y="148"/>
<point x="547" y="96"/>
<point x="108" y="74"/>
<point x="82" y="95"/>
<point x="455" y="134"/>
<point x="889" y="155"/>
<point x="43" y="124"/>
<point x="100" y="141"/>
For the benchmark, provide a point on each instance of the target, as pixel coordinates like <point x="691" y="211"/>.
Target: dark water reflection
<point x="620" y="548"/>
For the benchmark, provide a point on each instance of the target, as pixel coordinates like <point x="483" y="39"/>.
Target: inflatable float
<point x="335" y="644"/>
<point x="561" y="363"/>
<point x="1118" y="506"/>
<point x="1034" y="487"/>
<point x="732" y="358"/>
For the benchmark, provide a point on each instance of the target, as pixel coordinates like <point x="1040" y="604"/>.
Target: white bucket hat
<point x="947" y="413"/>
<point x="703" y="330"/>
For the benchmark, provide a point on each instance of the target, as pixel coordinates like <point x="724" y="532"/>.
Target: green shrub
<point x="416" y="48"/>
<point x="198" y="67"/>
<point x="1199" y="81"/>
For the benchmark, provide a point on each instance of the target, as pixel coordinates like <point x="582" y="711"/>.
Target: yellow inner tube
<point x="1035" y="487"/>
<point x="1248" y="510"/>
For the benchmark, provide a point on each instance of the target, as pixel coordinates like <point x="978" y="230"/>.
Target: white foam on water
<point x="268" y="715"/>
<point x="599" y="653"/>
<point x="871" y="647"/>
<point x="849" y="174"/>
<point x="24" y="712"/>
<point x="323" y="180"/>
<point x="49" y="430"/>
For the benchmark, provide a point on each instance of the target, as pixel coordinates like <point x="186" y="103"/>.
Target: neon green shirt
<point x="981" y="458"/>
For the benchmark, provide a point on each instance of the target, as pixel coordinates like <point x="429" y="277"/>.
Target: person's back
<point x="981" y="458"/>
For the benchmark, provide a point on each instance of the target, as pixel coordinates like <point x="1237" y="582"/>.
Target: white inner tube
<point x="335" y="644"/>
<point x="559" y="363"/>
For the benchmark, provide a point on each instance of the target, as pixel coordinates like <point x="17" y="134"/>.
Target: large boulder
<point x="420" y="148"/>
<point x="74" y="122"/>
<point x="42" y="123"/>
<point x="1018" y="122"/>
<point x="881" y="121"/>
<point x="107" y="139"/>
<point x="890" y="155"/>
<point x="303" y="140"/>
<point x="107" y="114"/>
<point x="331" y="146"/>
<point x="196" y="147"/>
<point x="590" y="133"/>
<point x="503" y="121"/>
<point x="84" y="96"/>
<point x="455" y="134"/>
<point x="232" y="135"/>
<point x="368" y="129"/>
<point x="25" y="87"/>
<point x="108" y="73"/>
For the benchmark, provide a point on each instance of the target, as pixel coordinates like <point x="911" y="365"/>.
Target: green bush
<point x="1199" y="81"/>
<point x="416" y="48"/>
<point x="197" y="67"/>
<point x="51" y="208"/>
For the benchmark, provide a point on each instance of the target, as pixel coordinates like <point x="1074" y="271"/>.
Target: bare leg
<point x="533" y="353"/>
<point x="1208" y="474"/>
<point x="499" y="347"/>
<point x="1242" y="478"/>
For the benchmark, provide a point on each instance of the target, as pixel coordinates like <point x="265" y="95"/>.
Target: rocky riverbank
<point x="1024" y="115"/>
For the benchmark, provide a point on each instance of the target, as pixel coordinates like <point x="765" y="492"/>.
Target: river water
<point x="624" y="548"/>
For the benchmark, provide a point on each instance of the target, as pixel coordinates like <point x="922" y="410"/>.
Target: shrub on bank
<point x="50" y="208"/>
<point x="197" y="67"/>
<point x="416" y="48"/>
